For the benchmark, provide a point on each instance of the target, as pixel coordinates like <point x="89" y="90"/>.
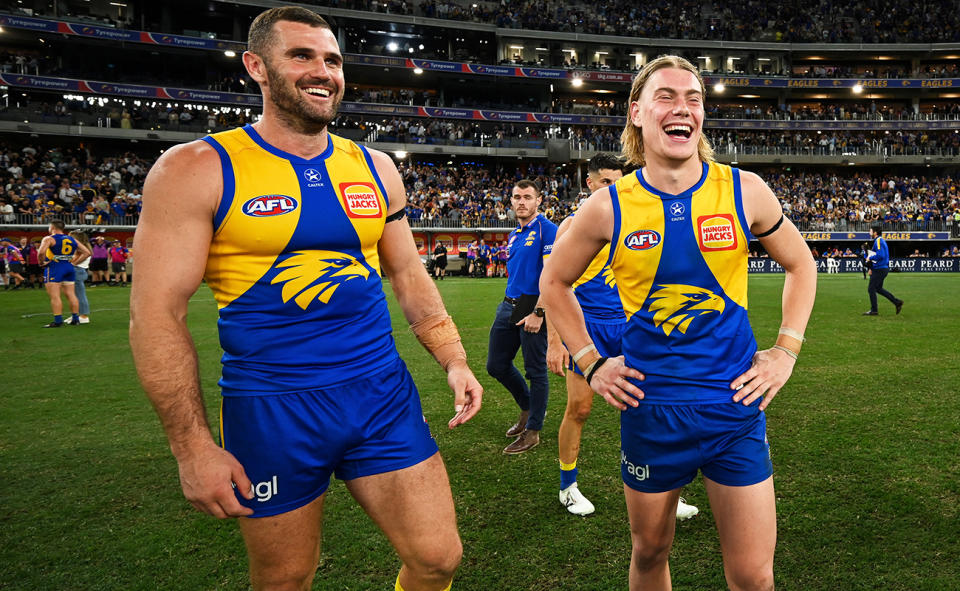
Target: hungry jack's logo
<point x="716" y="232"/>
<point x="676" y="305"/>
<point x="360" y="200"/>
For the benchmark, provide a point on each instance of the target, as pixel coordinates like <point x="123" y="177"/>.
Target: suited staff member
<point x="519" y="323"/>
<point x="691" y="384"/>
<point x="878" y="260"/>
<point x="290" y="225"/>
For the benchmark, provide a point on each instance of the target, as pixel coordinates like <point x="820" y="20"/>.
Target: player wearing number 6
<point x="59" y="252"/>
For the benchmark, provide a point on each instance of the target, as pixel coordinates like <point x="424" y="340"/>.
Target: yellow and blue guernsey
<point x="294" y="268"/>
<point x="596" y="291"/>
<point x="59" y="269"/>
<point x="680" y="262"/>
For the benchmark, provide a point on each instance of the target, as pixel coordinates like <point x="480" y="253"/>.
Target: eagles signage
<point x="852" y="265"/>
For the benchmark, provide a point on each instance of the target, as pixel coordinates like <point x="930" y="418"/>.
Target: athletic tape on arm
<point x="438" y="335"/>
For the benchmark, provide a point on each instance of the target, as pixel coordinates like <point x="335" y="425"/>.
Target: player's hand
<point x="770" y="371"/>
<point x="558" y="358"/>
<point x="610" y="381"/>
<point x="208" y="476"/>
<point x="531" y="322"/>
<point x="467" y="393"/>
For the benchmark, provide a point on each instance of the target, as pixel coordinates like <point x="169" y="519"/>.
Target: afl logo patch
<point x="716" y="232"/>
<point x="360" y="200"/>
<point x="642" y="240"/>
<point x="266" y="206"/>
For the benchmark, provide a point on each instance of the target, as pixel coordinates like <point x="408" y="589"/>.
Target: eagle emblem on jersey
<point x="676" y="305"/>
<point x="310" y="275"/>
<point x="608" y="279"/>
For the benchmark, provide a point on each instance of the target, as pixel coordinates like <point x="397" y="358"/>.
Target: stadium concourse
<point x="849" y="111"/>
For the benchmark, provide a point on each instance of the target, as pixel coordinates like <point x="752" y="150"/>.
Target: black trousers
<point x="876" y="287"/>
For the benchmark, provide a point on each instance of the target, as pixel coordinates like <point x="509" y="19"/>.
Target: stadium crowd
<point x="40" y="184"/>
<point x="860" y="21"/>
<point x="71" y="183"/>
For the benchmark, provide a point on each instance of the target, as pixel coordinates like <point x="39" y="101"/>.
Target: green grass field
<point x="865" y="441"/>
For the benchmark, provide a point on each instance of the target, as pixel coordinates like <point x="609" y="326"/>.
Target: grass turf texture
<point x="865" y="441"/>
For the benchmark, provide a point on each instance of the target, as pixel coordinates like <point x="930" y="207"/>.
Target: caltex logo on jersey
<point x="716" y="232"/>
<point x="360" y="200"/>
<point x="269" y="205"/>
<point x="642" y="240"/>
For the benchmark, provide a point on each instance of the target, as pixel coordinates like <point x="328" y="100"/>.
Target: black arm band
<point x="775" y="227"/>
<point x="595" y="367"/>
<point x="397" y="215"/>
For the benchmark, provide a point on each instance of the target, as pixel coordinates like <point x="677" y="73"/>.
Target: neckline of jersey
<point x="521" y="228"/>
<point x="682" y="195"/>
<point x="258" y="139"/>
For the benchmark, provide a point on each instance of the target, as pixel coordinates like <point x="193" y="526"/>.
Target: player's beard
<point x="295" y="111"/>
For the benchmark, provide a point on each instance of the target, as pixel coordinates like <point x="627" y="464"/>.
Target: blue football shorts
<point x="607" y="339"/>
<point x="290" y="444"/>
<point x="662" y="446"/>
<point x="59" y="272"/>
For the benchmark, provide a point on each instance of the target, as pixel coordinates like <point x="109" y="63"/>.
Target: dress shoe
<point x="871" y="313"/>
<point x="527" y="440"/>
<point x="899" y="306"/>
<point x="518" y="428"/>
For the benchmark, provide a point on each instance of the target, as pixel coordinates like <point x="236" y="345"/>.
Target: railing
<point x="471" y="222"/>
<point x="872" y="149"/>
<point x="70" y="219"/>
<point x="911" y="226"/>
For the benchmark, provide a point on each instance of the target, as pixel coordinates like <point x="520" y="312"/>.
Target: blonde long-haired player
<point x="691" y="383"/>
<point x="596" y="292"/>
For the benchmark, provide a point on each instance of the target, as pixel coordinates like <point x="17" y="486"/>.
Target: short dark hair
<point x="878" y="230"/>
<point x="58" y="224"/>
<point x="261" y="34"/>
<point x="526" y="184"/>
<point x="604" y="161"/>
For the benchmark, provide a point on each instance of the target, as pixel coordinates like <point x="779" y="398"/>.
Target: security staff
<point x="878" y="258"/>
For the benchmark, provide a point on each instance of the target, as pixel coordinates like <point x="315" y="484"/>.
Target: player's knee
<point x="578" y="413"/>
<point x="283" y="579"/>
<point x="649" y="552"/>
<point x="439" y="562"/>
<point x="750" y="579"/>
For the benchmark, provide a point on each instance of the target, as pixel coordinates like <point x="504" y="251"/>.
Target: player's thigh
<point x="414" y="508"/>
<point x="653" y="519"/>
<point x="53" y="289"/>
<point x="746" y="520"/>
<point x="285" y="546"/>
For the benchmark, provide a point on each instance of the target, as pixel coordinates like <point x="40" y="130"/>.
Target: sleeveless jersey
<point x="680" y="262"/>
<point x="62" y="249"/>
<point x="294" y="267"/>
<point x="596" y="291"/>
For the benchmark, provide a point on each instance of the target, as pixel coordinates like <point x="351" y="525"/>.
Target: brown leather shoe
<point x="527" y="440"/>
<point x="520" y="426"/>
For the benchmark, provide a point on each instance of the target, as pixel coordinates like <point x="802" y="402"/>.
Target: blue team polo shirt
<point x="528" y="247"/>
<point x="881" y="260"/>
